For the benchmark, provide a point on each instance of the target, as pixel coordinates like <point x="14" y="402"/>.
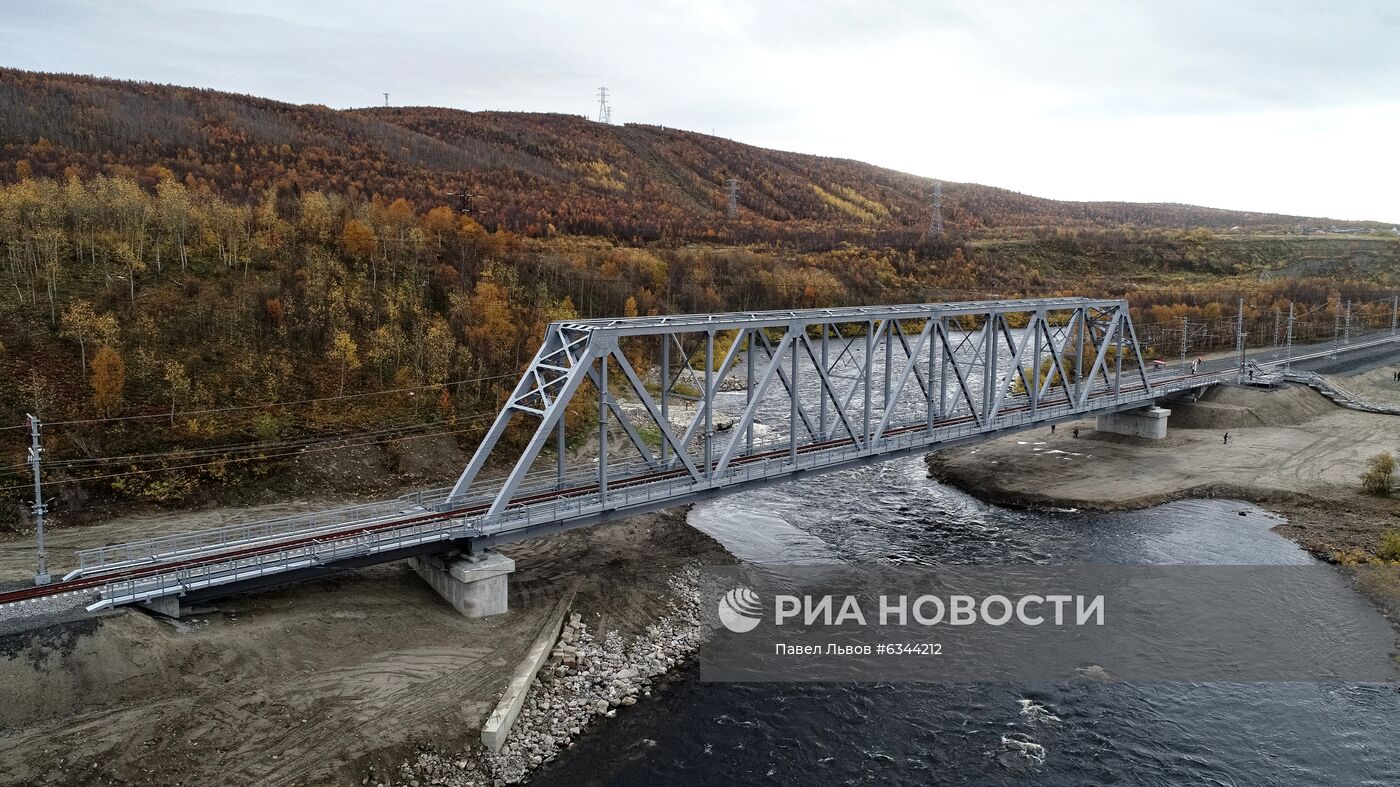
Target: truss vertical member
<point x="733" y="209"/>
<point x="1278" y="328"/>
<point x="1394" y="312"/>
<point x="36" y="451"/>
<point x="935" y="221"/>
<point x="1346" y="331"/>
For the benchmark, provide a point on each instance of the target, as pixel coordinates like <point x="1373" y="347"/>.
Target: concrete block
<point x="1148" y="422"/>
<point x="497" y="727"/>
<point x="474" y="585"/>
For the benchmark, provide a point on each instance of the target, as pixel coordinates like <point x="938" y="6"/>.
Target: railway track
<point x="97" y="581"/>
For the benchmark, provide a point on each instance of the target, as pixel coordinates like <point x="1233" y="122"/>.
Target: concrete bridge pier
<point x="1149" y="422"/>
<point x="475" y="585"/>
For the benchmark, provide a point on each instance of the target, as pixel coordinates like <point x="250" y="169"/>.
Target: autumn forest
<point x="196" y="285"/>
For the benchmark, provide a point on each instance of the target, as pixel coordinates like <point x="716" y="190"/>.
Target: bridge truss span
<point x="810" y="380"/>
<point x="617" y="417"/>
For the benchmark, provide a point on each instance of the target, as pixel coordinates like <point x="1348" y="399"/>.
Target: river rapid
<point x="1070" y="733"/>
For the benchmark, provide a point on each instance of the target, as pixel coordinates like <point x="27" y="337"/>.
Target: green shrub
<point x="1388" y="548"/>
<point x="1379" y="475"/>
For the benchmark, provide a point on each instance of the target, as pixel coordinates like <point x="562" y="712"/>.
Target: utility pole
<point x="39" y="509"/>
<point x="1288" y="357"/>
<point x="1239" y="334"/>
<point x="733" y="211"/>
<point x="1278" y="325"/>
<point x="1185" y="327"/>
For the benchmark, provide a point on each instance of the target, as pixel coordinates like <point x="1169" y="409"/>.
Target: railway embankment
<point x="346" y="679"/>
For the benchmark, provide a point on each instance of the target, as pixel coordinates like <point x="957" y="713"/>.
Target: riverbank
<point x="1290" y="451"/>
<point x="335" y="681"/>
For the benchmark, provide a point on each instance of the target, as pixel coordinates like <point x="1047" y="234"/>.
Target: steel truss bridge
<point x="822" y="390"/>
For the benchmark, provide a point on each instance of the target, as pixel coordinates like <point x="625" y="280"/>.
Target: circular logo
<point x="740" y="610"/>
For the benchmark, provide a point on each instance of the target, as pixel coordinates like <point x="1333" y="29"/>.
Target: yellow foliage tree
<point x="357" y="239"/>
<point x="345" y="352"/>
<point x="83" y="325"/>
<point x="108" y="380"/>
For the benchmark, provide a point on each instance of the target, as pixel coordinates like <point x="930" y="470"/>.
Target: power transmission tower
<point x="39" y="509"/>
<point x="733" y="210"/>
<point x="464" y="201"/>
<point x="1346" y="335"/>
<point x="1394" y="311"/>
<point x="604" y="109"/>
<point x="935" y="222"/>
<point x="386" y="99"/>
<point x="1278" y="325"/>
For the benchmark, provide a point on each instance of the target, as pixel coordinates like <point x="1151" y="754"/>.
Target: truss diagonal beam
<point x="667" y="433"/>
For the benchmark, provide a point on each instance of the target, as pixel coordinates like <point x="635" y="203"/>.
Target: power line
<point x="256" y="446"/>
<point x="236" y="460"/>
<point x="270" y="405"/>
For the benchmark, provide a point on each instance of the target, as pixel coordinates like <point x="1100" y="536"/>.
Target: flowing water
<point x="1072" y="733"/>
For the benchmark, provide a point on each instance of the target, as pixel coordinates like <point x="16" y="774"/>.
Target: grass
<point x="650" y="434"/>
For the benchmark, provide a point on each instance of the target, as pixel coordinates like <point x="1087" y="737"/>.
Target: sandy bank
<point x="1291" y="450"/>
<point x="337" y="681"/>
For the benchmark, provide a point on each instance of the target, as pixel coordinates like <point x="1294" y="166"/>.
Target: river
<point x="1070" y="733"/>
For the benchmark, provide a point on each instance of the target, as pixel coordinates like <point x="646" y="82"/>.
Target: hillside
<point x="203" y="294"/>
<point x="534" y="174"/>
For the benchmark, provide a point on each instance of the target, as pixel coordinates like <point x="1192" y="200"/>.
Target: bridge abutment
<point x="475" y="585"/>
<point x="1149" y="422"/>
<point x="169" y="606"/>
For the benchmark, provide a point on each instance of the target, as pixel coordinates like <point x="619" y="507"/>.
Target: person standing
<point x="1227" y="438"/>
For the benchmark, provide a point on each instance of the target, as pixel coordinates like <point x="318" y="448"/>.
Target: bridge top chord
<point x="755" y="319"/>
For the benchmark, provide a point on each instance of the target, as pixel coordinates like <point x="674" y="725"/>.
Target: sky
<point x="1288" y="106"/>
